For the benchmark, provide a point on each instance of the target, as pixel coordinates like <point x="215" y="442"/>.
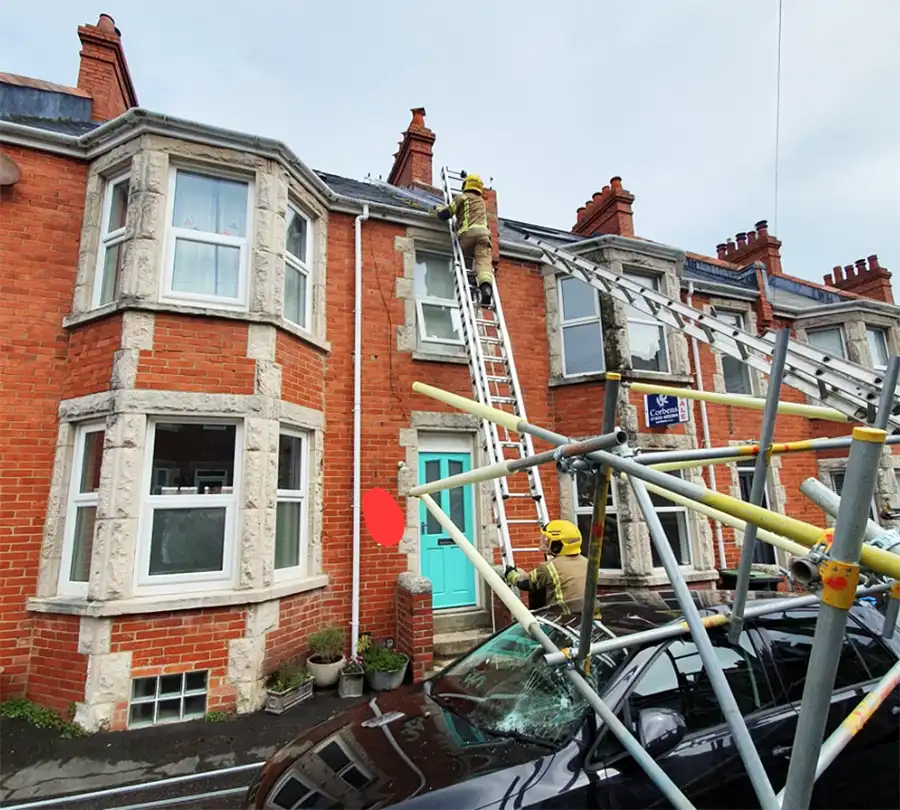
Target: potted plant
<point x="351" y="680"/>
<point x="327" y="656"/>
<point x="286" y="687"/>
<point x="385" y="669"/>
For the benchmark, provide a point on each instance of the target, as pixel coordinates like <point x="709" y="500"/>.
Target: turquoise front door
<point x="452" y="575"/>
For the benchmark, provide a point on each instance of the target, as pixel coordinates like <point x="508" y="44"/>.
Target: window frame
<point x="646" y="319"/>
<point x="674" y="508"/>
<point x="430" y="300"/>
<point x="565" y="323"/>
<point x="305" y="269"/>
<point x="839" y="329"/>
<point x="748" y="468"/>
<point x="199" y="580"/>
<point x="109" y="239"/>
<point x="300" y="496"/>
<point x="352" y="762"/>
<point x="173" y="234"/>
<point x="183" y="693"/>
<point x="883" y="334"/>
<point x="842" y="471"/>
<point x="611" y="509"/>
<point x="77" y="500"/>
<point x="740" y="318"/>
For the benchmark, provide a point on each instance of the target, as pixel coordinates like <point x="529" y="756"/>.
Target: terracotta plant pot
<point x="324" y="675"/>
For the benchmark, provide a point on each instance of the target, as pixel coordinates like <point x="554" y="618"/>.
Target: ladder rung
<point x="494" y="379"/>
<point x="510" y="400"/>
<point x="522" y="522"/>
<point x="488" y="339"/>
<point x="510" y="444"/>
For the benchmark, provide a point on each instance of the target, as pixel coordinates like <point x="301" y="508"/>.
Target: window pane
<point x="584" y="484"/>
<point x="91" y="461"/>
<point x="457" y="496"/>
<point x="295" y="235"/>
<point x="287" y="534"/>
<point x="647" y="350"/>
<point x="876" y="657"/>
<point x="193" y="456"/>
<point x="434" y="277"/>
<point x="736" y="374"/>
<point x="195" y="680"/>
<point x="118" y="206"/>
<point x="579" y="299"/>
<point x="143" y="688"/>
<point x="168" y="710"/>
<point x="294" y="295"/>
<point x="141" y="713"/>
<point x="194" y="706"/>
<point x="432" y="473"/>
<point x="828" y="340"/>
<point x="639" y="309"/>
<point x="170" y="684"/>
<point x="610" y="554"/>
<point x="290" y="462"/>
<point x="80" y="569"/>
<point x="186" y="541"/>
<point x="210" y="204"/>
<point x="112" y="272"/>
<point x="291" y="792"/>
<point x="355" y="778"/>
<point x="583" y="348"/>
<point x="659" y="500"/>
<point x="441" y="323"/>
<point x="837" y="482"/>
<point x="878" y="352"/>
<point x="334" y="757"/>
<point x="206" y="269"/>
<point x="675" y="526"/>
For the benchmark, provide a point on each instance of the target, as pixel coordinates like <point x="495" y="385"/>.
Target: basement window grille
<point x="168" y="698"/>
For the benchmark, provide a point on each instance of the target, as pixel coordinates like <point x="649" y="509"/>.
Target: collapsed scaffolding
<point x="830" y="563"/>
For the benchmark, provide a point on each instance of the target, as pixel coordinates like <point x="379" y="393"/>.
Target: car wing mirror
<point x="660" y="730"/>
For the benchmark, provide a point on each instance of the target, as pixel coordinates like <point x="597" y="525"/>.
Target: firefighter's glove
<point x="512" y="576"/>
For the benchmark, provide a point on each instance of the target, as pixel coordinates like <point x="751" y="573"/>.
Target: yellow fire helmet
<point x="473" y="182"/>
<point x="563" y="534"/>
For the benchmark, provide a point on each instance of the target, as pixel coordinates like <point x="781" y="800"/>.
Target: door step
<point x="453" y="645"/>
<point x="445" y="621"/>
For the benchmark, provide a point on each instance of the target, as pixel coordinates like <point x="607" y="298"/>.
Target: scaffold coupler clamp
<point x="807" y="570"/>
<point x="889" y="541"/>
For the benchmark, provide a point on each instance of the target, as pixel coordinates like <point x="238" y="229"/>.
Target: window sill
<point x="73" y="320"/>
<point x="654" y="579"/>
<point x="629" y="375"/>
<point x="76" y="606"/>
<point x="436" y="357"/>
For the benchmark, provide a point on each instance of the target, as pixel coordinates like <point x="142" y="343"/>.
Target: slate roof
<point x="64" y="126"/>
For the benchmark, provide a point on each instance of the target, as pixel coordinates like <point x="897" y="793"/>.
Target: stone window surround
<point x="638" y="258"/>
<point x="408" y="339"/>
<point x="745" y="308"/>
<point x="887" y="488"/>
<point x="147" y="158"/>
<point x="435" y="422"/>
<point x="853" y="325"/>
<point x="111" y="590"/>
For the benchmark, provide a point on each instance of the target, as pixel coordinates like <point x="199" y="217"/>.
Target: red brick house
<point x="178" y="306"/>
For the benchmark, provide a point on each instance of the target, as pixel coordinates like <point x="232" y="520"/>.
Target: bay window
<point x="763" y="552"/>
<point x="296" y="268"/>
<point x="830" y="340"/>
<point x="207" y="249"/>
<point x="81" y="514"/>
<point x="646" y="335"/>
<point x="112" y="241"/>
<point x="610" y="553"/>
<point x="675" y="525"/>
<point x="878" y="347"/>
<point x="190" y="505"/>
<point x="436" y="309"/>
<point x="837" y="484"/>
<point x="735" y="372"/>
<point x="291" y="520"/>
<point x="581" y="328"/>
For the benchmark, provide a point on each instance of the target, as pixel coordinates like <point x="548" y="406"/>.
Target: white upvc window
<point x="878" y="347"/>
<point x="436" y="308"/>
<point x="611" y="552"/>
<point x="646" y="335"/>
<point x="581" y="328"/>
<point x="81" y="511"/>
<point x="207" y="250"/>
<point x="189" y="514"/>
<point x="837" y="484"/>
<point x="675" y="524"/>
<point x="297" y="263"/>
<point x="830" y="340"/>
<point x="292" y="519"/>
<point x="112" y="238"/>
<point x="735" y="372"/>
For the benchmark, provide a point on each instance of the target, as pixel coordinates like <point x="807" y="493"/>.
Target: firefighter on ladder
<point x="473" y="232"/>
<point x="562" y="577"/>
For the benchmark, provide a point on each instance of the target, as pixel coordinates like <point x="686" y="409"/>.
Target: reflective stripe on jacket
<point x="469" y="210"/>
<point x="562" y="577"/>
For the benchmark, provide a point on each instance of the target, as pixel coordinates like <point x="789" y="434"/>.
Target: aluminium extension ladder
<point x="496" y="384"/>
<point x="849" y="388"/>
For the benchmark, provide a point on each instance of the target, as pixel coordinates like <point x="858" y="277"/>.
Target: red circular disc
<point x="384" y="518"/>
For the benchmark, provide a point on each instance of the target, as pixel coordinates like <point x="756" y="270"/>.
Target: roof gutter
<point x="716" y="288"/>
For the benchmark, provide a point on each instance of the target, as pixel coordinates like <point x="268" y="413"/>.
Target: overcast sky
<point x="551" y="100"/>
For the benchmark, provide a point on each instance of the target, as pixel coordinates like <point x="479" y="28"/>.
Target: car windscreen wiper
<point x="520" y="737"/>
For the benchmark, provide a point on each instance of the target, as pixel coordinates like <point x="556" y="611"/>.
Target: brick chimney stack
<point x="872" y="281"/>
<point x="103" y="72"/>
<point x="412" y="161"/>
<point x="753" y="246"/>
<point x="607" y="212"/>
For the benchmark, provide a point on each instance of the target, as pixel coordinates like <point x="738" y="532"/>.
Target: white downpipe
<point x="357" y="425"/>
<point x="704" y="419"/>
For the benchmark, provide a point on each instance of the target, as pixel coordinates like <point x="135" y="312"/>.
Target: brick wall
<point x="92" y="348"/>
<point x="41" y="219"/>
<point x="299" y="616"/>
<point x="302" y="371"/>
<point x="197" y="354"/>
<point x="57" y="670"/>
<point x="415" y="630"/>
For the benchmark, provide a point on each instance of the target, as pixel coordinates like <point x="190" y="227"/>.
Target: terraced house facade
<point x="178" y="490"/>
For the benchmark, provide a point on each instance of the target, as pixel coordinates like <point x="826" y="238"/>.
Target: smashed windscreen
<point x="506" y="688"/>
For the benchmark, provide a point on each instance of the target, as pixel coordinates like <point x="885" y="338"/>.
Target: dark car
<point x="501" y="729"/>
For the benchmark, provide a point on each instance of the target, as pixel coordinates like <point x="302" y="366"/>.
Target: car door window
<point x="791" y="637"/>
<point x="677" y="679"/>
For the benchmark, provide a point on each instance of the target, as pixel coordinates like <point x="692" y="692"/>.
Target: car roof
<point x="632" y="611"/>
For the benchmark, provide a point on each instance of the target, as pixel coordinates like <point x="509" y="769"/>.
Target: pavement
<point x="36" y="764"/>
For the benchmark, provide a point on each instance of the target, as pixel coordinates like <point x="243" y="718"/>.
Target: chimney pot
<point x="741" y="239"/>
<point x="860" y="266"/>
<point x="762" y="228"/>
<point x="720" y="250"/>
<point x="751" y="236"/>
<point x="616" y="182"/>
<point x="107" y="24"/>
<point x="829" y="281"/>
<point x="838" y="274"/>
<point x="729" y="247"/>
<point x="580" y="213"/>
<point x="849" y="272"/>
<point x="597" y="195"/>
<point x="873" y="262"/>
<point x="418" y="119"/>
